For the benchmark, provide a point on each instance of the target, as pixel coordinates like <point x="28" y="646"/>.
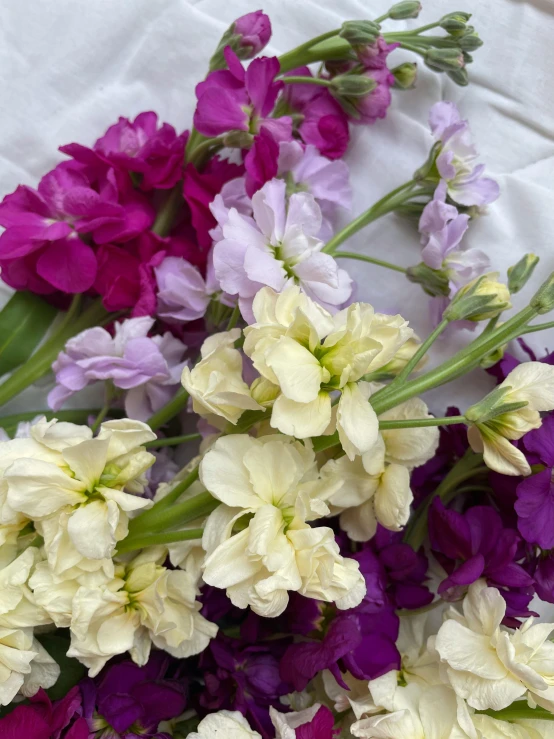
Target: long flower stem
<point x="41" y="361"/>
<point x="371" y="260"/>
<point x="420" y="353"/>
<point x="388" y="203"/>
<point x="150" y="540"/>
<point x="176" y="515"/>
<point x="537" y="327"/>
<point x="168" y="212"/>
<point x="302" y="54"/>
<point x="169" y="410"/>
<point x="290" y="80"/>
<point x="413" y="423"/>
<point x="172" y="441"/>
<point x="149" y="518"/>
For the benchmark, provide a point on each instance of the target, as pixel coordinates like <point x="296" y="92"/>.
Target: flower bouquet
<point x="235" y="515"/>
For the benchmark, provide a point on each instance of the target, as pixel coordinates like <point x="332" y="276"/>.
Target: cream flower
<point x="224" y="725"/>
<point x="491" y="728"/>
<point x="308" y="354"/>
<point x="491" y="666"/>
<point x="508" y="413"/>
<point x="94" y="481"/>
<point x="144" y="603"/>
<point x="376" y="487"/>
<point x="25" y="666"/>
<point x="215" y="383"/>
<point x="258" y="543"/>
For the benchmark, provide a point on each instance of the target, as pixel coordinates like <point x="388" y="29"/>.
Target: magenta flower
<point x="320" y="727"/>
<point x="376" y="103"/>
<point x="148" y="368"/>
<point x="374" y="56"/>
<point x="254" y="30"/>
<point x="140" y="146"/>
<point x="41" y="249"/>
<point x="39" y="719"/>
<point x="238" y="99"/>
<point x="457" y="156"/>
<point x="324" y="123"/>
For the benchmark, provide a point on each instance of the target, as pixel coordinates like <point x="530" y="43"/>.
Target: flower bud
<point x="247" y="36"/>
<point x="519" y="274"/>
<point x="238" y="140"/>
<point x="453" y="26"/>
<point x="264" y="392"/>
<point x="360" y="33"/>
<point x="406" y="9"/>
<point x="457" y="15"/>
<point x="352" y="85"/>
<point x="444" y="60"/>
<point x="470" y="41"/>
<point x="405" y="75"/>
<point x="433" y="281"/>
<point x="481" y="299"/>
<point x="459" y="76"/>
<point x="543" y="300"/>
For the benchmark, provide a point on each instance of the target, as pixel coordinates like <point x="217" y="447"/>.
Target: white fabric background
<point x="69" y="68"/>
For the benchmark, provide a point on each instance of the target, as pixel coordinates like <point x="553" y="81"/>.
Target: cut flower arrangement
<point x="263" y="532"/>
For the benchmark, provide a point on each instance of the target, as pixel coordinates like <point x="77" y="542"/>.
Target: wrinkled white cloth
<point x="68" y="69"/>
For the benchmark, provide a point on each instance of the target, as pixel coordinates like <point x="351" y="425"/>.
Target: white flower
<point x="496" y="424"/>
<point x="94" y="481"/>
<point x="258" y="543"/>
<point x="492" y="728"/>
<point x="144" y="603"/>
<point x="308" y="354"/>
<point x="491" y="666"/>
<point x="224" y="725"/>
<point x="376" y="487"/>
<point x="18" y="649"/>
<point x="215" y="384"/>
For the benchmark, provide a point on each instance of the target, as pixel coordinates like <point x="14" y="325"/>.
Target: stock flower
<point x="278" y="247"/>
<point x="38" y="718"/>
<point x="271" y="484"/>
<point x="455" y="161"/>
<point x="235" y="99"/>
<point x="183" y="293"/>
<point x="254" y="30"/>
<point x="315" y="722"/>
<point x="376" y="486"/>
<point x="324" y="123"/>
<point x="156" y="154"/>
<point x="232" y="195"/>
<point x="215" y="383"/>
<point x="475" y="544"/>
<point x="308" y="353"/>
<point x="84" y="482"/>
<point x="490" y="666"/>
<point x="143" y="604"/>
<point x="230" y="724"/>
<point x="531" y="386"/>
<point x="148" y="368"/>
<point x="41" y="249"/>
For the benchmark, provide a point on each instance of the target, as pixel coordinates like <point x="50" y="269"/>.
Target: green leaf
<point x="71" y="671"/>
<point x="23" y="322"/>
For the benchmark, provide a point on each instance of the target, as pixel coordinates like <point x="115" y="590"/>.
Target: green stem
<point x="109" y="393"/>
<point x="169" y="410"/>
<point x="41" y="361"/>
<point x="371" y="260"/>
<point x="380" y="208"/>
<point x="292" y="80"/>
<point x="177" y="515"/>
<point x="298" y="57"/>
<point x="518" y="711"/>
<point x="537" y="327"/>
<point x="235" y="315"/>
<point x="204" y="149"/>
<point x="413" y="32"/>
<point x="151" y="540"/>
<point x="171" y="441"/>
<point x="167" y="214"/>
<point x="148" y="520"/>
<point x="420" y="353"/>
<point x="413" y="423"/>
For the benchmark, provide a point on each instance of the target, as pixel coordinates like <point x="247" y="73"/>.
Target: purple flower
<point x="40" y="719"/>
<point x="140" y="146"/>
<point x="235" y="99"/>
<point x="278" y="247"/>
<point x="233" y="195"/>
<point x="544" y="578"/>
<point x="475" y="544"/>
<point x="535" y="494"/>
<point x="374" y="56"/>
<point x="149" y="368"/>
<point x="320" y="727"/>
<point x="375" y="104"/>
<point x="254" y="30"/>
<point x="244" y="678"/>
<point x="183" y="294"/>
<point x="324" y="123"/>
<point x="134" y="700"/>
<point x="455" y="161"/>
<point x="441" y="228"/>
<point x="41" y="249"/>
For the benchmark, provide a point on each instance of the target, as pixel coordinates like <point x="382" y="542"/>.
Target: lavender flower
<point x="278" y="247"/>
<point x="149" y="368"/>
<point x="456" y="157"/>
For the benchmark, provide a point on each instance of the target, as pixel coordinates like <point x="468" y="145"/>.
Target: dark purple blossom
<point x="475" y="544"/>
<point x="320" y="727"/>
<point x="40" y="719"/>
